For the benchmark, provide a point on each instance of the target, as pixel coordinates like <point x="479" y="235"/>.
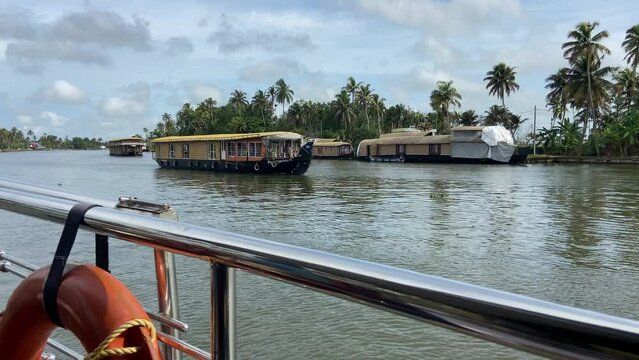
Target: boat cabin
<point x="332" y="149"/>
<point x="131" y="146"/>
<point x="253" y="152"/>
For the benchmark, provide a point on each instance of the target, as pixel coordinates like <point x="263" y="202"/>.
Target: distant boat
<point x="262" y="153"/>
<point x="465" y="144"/>
<point x="131" y="146"/>
<point x="332" y="149"/>
<point x="36" y="146"/>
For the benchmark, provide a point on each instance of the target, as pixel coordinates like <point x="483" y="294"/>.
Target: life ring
<point x="256" y="167"/>
<point x="212" y="164"/>
<point x="92" y="304"/>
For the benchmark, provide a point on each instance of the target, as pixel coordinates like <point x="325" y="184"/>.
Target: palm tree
<point x="351" y="87"/>
<point x="295" y="114"/>
<point x="469" y="118"/>
<point x="379" y="108"/>
<point x="308" y="113"/>
<point x="343" y="109"/>
<point x="169" y="125"/>
<point x="585" y="45"/>
<point x="271" y="94"/>
<point x="556" y="98"/>
<point x="261" y="101"/>
<point x="496" y="115"/>
<point x="442" y="98"/>
<point x="238" y="100"/>
<point x="206" y="113"/>
<point x="631" y="46"/>
<point x="501" y="81"/>
<point x="588" y="87"/>
<point x="627" y="86"/>
<point x="283" y="93"/>
<point x="364" y="97"/>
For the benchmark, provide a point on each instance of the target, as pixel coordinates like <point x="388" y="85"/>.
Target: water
<point x="567" y="234"/>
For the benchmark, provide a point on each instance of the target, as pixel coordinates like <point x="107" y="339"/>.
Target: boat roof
<point x="329" y="142"/>
<point x="132" y="138"/>
<point x="284" y="135"/>
<point x="409" y="140"/>
<point x="467" y="128"/>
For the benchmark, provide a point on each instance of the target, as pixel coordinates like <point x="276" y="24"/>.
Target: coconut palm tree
<point x="501" y="81"/>
<point x="308" y="113"/>
<point x="271" y="94"/>
<point x="588" y="87"/>
<point x="631" y="46"/>
<point x="469" y="118"/>
<point x="557" y="98"/>
<point x="205" y="111"/>
<point x="343" y="110"/>
<point x="584" y="44"/>
<point x="283" y="93"/>
<point x="379" y="108"/>
<point x="496" y="115"/>
<point x="261" y="102"/>
<point x="295" y="114"/>
<point x="351" y="87"/>
<point x="627" y="86"/>
<point x="238" y="100"/>
<point x="169" y="125"/>
<point x="442" y="98"/>
<point x="364" y="98"/>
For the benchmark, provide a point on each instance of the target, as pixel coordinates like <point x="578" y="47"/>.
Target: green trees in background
<point x="14" y="139"/>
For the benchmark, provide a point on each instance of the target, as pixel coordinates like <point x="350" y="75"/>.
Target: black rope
<point x="102" y="252"/>
<point x="52" y="283"/>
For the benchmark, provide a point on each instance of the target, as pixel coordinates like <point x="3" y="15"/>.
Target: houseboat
<point x="465" y="144"/>
<point x="332" y="149"/>
<point x="131" y="146"/>
<point x="264" y="153"/>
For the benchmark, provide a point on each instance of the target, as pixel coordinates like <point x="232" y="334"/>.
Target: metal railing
<point x="520" y="322"/>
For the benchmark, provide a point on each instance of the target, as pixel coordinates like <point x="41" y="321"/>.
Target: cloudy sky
<point x="110" y="68"/>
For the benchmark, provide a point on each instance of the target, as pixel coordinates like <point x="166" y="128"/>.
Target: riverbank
<point x="557" y="159"/>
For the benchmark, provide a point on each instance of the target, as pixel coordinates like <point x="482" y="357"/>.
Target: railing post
<point x="222" y="312"/>
<point x="167" y="297"/>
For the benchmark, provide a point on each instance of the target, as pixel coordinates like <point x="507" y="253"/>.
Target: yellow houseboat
<point x="268" y="152"/>
<point x="466" y="144"/>
<point x="332" y="149"/>
<point x="131" y="146"/>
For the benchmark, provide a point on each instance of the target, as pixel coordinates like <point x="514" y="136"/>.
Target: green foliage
<point x="14" y="139"/>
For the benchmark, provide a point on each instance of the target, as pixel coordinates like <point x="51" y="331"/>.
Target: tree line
<point x="15" y="139"/>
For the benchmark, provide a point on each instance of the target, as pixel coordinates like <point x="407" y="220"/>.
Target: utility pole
<point x="535" y="130"/>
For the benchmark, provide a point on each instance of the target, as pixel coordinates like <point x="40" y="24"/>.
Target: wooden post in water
<point x="535" y="130"/>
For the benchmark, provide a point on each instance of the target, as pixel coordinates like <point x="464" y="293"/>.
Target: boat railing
<point x="524" y="323"/>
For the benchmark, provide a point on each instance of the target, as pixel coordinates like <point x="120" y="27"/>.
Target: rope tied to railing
<point x="101" y="350"/>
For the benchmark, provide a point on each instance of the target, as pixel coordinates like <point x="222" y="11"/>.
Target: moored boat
<point x="130" y="146"/>
<point x="465" y="144"/>
<point x="332" y="149"/>
<point x="262" y="153"/>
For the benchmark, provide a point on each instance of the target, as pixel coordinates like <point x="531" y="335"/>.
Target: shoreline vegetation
<point x="603" y="101"/>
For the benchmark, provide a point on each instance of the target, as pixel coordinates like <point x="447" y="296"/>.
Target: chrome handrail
<point x="524" y="323"/>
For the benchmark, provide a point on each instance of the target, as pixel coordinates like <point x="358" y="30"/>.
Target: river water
<point x="563" y="233"/>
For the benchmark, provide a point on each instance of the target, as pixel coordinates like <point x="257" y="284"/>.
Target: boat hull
<point x="442" y="159"/>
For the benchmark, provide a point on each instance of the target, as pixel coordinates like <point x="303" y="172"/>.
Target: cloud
<point x="199" y="92"/>
<point x="178" y="45"/>
<point x="60" y="91"/>
<point x="133" y="100"/>
<point x="102" y="27"/>
<point x="231" y="38"/>
<point x="454" y="16"/>
<point x="81" y="37"/>
<point x="53" y="119"/>
<point x="17" y="23"/>
<point x="268" y="70"/>
<point x="25" y="119"/>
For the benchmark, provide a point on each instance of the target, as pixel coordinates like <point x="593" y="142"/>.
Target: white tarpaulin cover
<point x="501" y="143"/>
<point x="493" y="135"/>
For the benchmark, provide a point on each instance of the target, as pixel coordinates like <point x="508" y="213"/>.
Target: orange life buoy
<point x="91" y="304"/>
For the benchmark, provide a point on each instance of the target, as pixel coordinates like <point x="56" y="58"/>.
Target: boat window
<point x="434" y="149"/>
<point x="230" y="149"/>
<point x="211" y="151"/>
<point x="185" y="151"/>
<point x="171" y="151"/>
<point x="401" y="149"/>
<point x="255" y="149"/>
<point x="241" y="149"/>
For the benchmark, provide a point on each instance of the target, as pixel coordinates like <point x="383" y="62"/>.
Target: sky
<point x="110" y="68"/>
